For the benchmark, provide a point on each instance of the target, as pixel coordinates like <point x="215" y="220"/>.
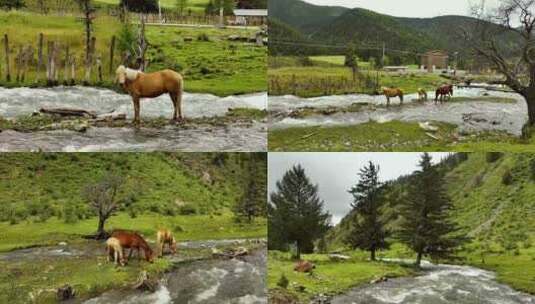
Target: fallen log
<point x="69" y="112"/>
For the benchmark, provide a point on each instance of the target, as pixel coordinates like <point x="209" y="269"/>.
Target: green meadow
<point x="209" y="62"/>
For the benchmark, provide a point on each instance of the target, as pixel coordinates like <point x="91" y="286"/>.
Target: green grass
<point x="313" y="81"/>
<point x="329" y="277"/>
<point x="191" y="227"/>
<point x="215" y="66"/>
<point x="391" y="136"/>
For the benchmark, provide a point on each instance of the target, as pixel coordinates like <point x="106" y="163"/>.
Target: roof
<point x="251" y="12"/>
<point x="436" y="53"/>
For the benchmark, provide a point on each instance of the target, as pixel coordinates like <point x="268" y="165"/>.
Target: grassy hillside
<point x="209" y="62"/>
<point x="40" y="186"/>
<point x="302" y="15"/>
<point x="493" y="195"/>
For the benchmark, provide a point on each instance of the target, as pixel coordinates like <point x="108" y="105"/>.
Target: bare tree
<point x="103" y="197"/>
<point x="88" y="10"/>
<point x="515" y="17"/>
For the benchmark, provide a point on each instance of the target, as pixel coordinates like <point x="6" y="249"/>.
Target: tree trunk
<point x="6" y="48"/>
<point x="418" y="258"/>
<point x="372" y="254"/>
<point x="100" y="231"/>
<point x="39" y="57"/>
<point x="529" y="96"/>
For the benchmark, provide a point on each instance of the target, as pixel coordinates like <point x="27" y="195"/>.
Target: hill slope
<point x="166" y="183"/>
<point x="494" y="200"/>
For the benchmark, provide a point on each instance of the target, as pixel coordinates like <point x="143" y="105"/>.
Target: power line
<point x="343" y="47"/>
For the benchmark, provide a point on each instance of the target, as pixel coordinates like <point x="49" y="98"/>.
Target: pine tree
<point x="426" y="227"/>
<point x="367" y="230"/>
<point x="253" y="201"/>
<point x="295" y="213"/>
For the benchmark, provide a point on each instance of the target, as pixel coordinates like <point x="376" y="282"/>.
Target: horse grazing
<point x="422" y="95"/>
<point x="149" y="85"/>
<point x="134" y="241"/>
<point x="115" y="251"/>
<point x="164" y="236"/>
<point x="443" y="92"/>
<point x="393" y="92"/>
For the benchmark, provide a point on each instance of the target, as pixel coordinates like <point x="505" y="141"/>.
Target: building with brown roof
<point x="436" y="58"/>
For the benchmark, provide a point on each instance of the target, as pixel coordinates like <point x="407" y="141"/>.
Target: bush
<point x="507" y="178"/>
<point x="178" y="228"/>
<point x="493" y="156"/>
<point x="69" y="214"/>
<point x="283" y="282"/>
<point x="187" y="210"/>
<point x="203" y="37"/>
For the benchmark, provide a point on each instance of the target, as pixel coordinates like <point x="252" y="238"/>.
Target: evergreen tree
<point x="209" y="9"/>
<point x="426" y="227"/>
<point x="367" y="230"/>
<point x="350" y="60"/>
<point x="10" y="4"/>
<point x="295" y="213"/>
<point x="253" y="201"/>
<point x="140" y="6"/>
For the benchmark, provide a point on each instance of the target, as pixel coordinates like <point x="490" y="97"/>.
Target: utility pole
<point x="221" y="13"/>
<point x="160" y="11"/>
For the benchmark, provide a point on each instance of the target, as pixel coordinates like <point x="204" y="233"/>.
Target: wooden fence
<point x="56" y="63"/>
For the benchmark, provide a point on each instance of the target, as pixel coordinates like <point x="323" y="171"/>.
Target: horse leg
<point x="179" y="104"/>
<point x="401" y="99"/>
<point x="387" y="101"/>
<point x="174" y="100"/>
<point x="136" y="110"/>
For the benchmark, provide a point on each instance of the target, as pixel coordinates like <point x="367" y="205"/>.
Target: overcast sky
<point x="409" y="8"/>
<point x="335" y="173"/>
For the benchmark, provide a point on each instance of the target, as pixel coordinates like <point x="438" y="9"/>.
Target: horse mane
<point x="132" y="74"/>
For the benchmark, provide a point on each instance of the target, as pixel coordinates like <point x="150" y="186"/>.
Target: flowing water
<point x="441" y="284"/>
<point x="474" y="115"/>
<point x="236" y="281"/>
<point x="234" y="137"/>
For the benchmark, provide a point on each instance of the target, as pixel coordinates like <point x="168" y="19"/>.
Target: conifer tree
<point x="426" y="226"/>
<point x="367" y="230"/>
<point x="295" y="213"/>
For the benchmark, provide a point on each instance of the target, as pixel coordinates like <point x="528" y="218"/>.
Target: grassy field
<point x="313" y="81"/>
<point x="191" y="227"/>
<point x="391" y="136"/>
<point x="329" y="277"/>
<point x="209" y="62"/>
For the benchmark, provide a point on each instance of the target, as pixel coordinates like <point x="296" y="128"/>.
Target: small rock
<point x="426" y="126"/>
<point x="62" y="243"/>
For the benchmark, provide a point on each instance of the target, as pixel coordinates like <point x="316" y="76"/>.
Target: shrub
<point x="69" y="214"/>
<point x="283" y="282"/>
<point x="493" y="156"/>
<point x="203" y="37"/>
<point x="187" y="210"/>
<point x="507" y="178"/>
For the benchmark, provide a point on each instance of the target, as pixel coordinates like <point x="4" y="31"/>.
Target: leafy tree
<point x="181" y="5"/>
<point x="486" y="40"/>
<point x="295" y="213"/>
<point x="103" y="198"/>
<point x="140" y="6"/>
<point x="209" y="9"/>
<point x="12" y="4"/>
<point x="367" y="230"/>
<point x="426" y="227"/>
<point x="351" y="60"/>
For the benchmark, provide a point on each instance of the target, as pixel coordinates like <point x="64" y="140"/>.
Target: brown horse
<point x="444" y="92"/>
<point x="164" y="236"/>
<point x="133" y="241"/>
<point x="149" y="85"/>
<point x="393" y="92"/>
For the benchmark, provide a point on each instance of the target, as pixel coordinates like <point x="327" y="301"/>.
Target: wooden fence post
<point x="39" y="57"/>
<point x="18" y="64"/>
<point x="112" y="50"/>
<point x="66" y="65"/>
<point x="6" y="48"/>
<point x="99" y="68"/>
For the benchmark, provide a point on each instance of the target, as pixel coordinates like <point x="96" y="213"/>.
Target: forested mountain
<point x="493" y="195"/>
<point x="368" y="30"/>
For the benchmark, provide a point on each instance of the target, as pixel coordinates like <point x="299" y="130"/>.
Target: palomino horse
<point x="115" y="251"/>
<point x="133" y="241"/>
<point x="422" y="95"/>
<point x="393" y="92"/>
<point x="164" y="236"/>
<point x="149" y="85"/>
<point x="444" y="92"/>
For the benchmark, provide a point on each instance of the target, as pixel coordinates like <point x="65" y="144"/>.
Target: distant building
<point x="435" y="58"/>
<point x="246" y="17"/>
<point x="399" y="69"/>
